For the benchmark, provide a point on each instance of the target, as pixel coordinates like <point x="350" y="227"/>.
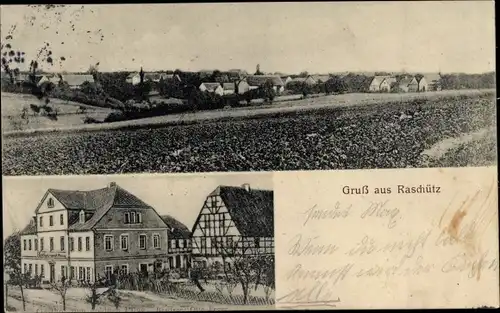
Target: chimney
<point x="112" y="184"/>
<point x="246" y="186"/>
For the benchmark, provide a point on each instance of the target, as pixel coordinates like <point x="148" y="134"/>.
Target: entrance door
<point x="143" y="268"/>
<point x="52" y="272"/>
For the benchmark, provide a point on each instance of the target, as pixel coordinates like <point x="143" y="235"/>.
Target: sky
<point x="423" y="36"/>
<point x="179" y="195"/>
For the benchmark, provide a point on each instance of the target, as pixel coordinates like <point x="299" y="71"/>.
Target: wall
<point x="133" y="249"/>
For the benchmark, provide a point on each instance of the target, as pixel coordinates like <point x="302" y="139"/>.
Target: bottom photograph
<point x="139" y="242"/>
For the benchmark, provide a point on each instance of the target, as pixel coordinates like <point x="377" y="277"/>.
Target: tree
<point x="12" y="262"/>
<point x="267" y="90"/>
<point x="250" y="267"/>
<point x="304" y="74"/>
<point x="94" y="297"/>
<point x="335" y="85"/>
<point x="62" y="288"/>
<point x="257" y="70"/>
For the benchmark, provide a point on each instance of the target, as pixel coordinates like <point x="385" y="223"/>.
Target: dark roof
<point x="176" y="230"/>
<point x="211" y="86"/>
<point x="97" y="201"/>
<point x="252" y="211"/>
<point x="30" y="229"/>
<point x="259" y="80"/>
<point x="228" y="86"/>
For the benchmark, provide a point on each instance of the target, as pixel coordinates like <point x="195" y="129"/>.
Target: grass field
<point x="385" y="135"/>
<point x="69" y="113"/>
<point x="258" y="110"/>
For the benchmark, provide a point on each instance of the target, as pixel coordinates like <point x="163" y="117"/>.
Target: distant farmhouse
<point x="135" y="78"/>
<point x="179" y="243"/>
<point x="75" y="81"/>
<point x="212" y="87"/>
<point x="255" y="81"/>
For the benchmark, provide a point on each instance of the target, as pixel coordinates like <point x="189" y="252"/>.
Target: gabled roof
<point x="176" y="230"/>
<point x="97" y="202"/>
<point x="251" y="211"/>
<point x="30" y="229"/>
<point x="132" y="74"/>
<point x="211" y="86"/>
<point x="77" y="79"/>
<point x="405" y="81"/>
<point x="432" y="78"/>
<point x="259" y="80"/>
<point x="228" y="86"/>
<point x="322" y="78"/>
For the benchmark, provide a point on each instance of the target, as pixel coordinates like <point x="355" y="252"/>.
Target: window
<point x="229" y="241"/>
<point x="71" y="244"/>
<point x="257" y="242"/>
<point x="51" y="243"/>
<point x="173" y="243"/>
<point x="41" y="244"/>
<point x="29" y="245"/>
<point x="50" y="203"/>
<point x="41" y="221"/>
<point x="177" y="261"/>
<point x="139" y="218"/>
<point x="72" y="272"/>
<point x="127" y="218"/>
<point x="36" y="269"/>
<point x="82" y="217"/>
<point x="181" y="243"/>
<point x="25" y="268"/>
<point x="81" y="273"/>
<point x="63" y="270"/>
<point x="124" y="242"/>
<point x="30" y="266"/>
<point x="142" y="241"/>
<point x="25" y="244"/>
<point x="62" y="243"/>
<point x="80" y="246"/>
<point x="156" y="241"/>
<point x="36" y="244"/>
<point x="109" y="271"/>
<point x="51" y="220"/>
<point x="132" y="217"/>
<point x="88" y="273"/>
<point x="42" y="270"/>
<point x="61" y="219"/>
<point x="108" y="242"/>
<point x="124" y="268"/>
<point x="87" y="243"/>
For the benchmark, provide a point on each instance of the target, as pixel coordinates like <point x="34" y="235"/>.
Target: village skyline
<point x="344" y="37"/>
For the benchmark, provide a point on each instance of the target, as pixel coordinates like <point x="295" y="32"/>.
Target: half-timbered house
<point x="233" y="221"/>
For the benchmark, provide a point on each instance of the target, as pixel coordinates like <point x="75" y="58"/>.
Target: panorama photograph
<point x="218" y="87"/>
<point x="139" y="243"/>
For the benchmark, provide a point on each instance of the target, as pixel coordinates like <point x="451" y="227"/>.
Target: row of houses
<point x="85" y="235"/>
<point x="243" y="85"/>
<point x="74" y="81"/>
<point x="404" y="83"/>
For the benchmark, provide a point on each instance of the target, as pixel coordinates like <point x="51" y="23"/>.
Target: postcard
<point x="247" y="156"/>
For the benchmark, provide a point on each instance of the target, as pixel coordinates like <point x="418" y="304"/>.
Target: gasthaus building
<point x="88" y="234"/>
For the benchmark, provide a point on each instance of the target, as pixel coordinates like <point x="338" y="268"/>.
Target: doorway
<point x="52" y="272"/>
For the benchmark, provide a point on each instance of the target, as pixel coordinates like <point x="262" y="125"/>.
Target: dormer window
<point x="50" y="203"/>
<point x="82" y="217"/>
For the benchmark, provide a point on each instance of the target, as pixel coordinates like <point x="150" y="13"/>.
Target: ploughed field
<point x="385" y="135"/>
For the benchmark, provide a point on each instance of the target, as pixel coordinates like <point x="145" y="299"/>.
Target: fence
<point x="181" y="290"/>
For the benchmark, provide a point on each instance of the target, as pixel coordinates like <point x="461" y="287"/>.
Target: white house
<point x="86" y="234"/>
<point x="212" y="87"/>
<point x="133" y="78"/>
